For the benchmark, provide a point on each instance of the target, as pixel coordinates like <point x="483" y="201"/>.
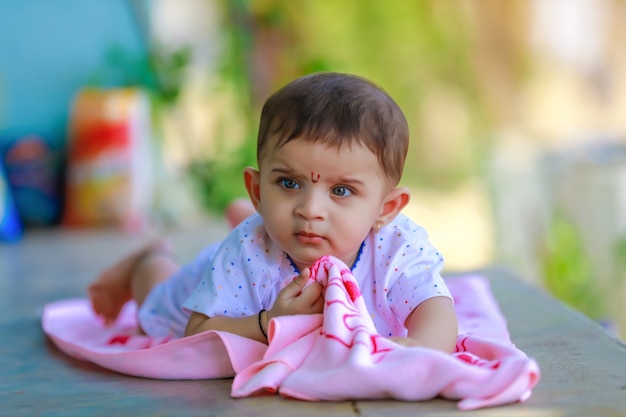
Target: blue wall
<point x="51" y="48"/>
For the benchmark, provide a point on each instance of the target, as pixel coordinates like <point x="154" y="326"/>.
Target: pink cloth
<point x="334" y="356"/>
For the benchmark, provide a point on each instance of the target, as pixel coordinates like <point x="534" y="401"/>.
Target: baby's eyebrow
<point x="350" y="181"/>
<point x="281" y="170"/>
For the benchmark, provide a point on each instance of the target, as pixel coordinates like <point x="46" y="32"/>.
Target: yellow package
<point x="109" y="171"/>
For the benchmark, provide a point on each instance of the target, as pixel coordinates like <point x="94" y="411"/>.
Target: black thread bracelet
<point x="260" y="325"/>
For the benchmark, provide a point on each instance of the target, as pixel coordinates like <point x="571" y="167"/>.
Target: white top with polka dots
<point x="397" y="270"/>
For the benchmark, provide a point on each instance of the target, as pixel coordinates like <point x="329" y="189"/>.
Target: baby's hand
<point x="293" y="299"/>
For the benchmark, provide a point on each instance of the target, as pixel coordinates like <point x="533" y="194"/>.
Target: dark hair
<point x="337" y="109"/>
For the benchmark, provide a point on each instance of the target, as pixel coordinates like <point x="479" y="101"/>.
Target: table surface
<point x="583" y="368"/>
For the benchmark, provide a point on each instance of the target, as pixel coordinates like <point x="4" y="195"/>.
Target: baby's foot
<point x="238" y="211"/>
<point x="112" y="289"/>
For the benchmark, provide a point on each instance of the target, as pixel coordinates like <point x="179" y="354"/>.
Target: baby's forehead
<point x="316" y="146"/>
<point x="303" y="152"/>
<point x="329" y="144"/>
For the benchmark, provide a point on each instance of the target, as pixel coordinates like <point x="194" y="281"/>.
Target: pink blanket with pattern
<point x="330" y="357"/>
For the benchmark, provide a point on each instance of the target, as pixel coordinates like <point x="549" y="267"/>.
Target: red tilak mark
<point x="315" y="180"/>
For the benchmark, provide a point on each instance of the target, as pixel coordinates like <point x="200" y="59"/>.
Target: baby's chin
<point x="303" y="262"/>
<point x="302" y="265"/>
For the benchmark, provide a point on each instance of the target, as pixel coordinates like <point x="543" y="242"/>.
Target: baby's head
<point x="337" y="110"/>
<point x="331" y="151"/>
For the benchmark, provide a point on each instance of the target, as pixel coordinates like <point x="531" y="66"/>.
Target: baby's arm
<point x="292" y="299"/>
<point x="432" y="324"/>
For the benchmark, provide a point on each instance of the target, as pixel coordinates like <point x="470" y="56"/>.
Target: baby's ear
<point x="251" y="178"/>
<point x="396" y="200"/>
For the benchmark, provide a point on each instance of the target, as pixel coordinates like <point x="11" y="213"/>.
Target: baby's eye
<point x="341" y="191"/>
<point x="288" y="183"/>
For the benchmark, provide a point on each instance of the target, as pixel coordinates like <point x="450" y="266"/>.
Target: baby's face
<point x="318" y="200"/>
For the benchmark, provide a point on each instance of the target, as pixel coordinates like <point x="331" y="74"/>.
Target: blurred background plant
<point x="568" y="271"/>
<point x="419" y="51"/>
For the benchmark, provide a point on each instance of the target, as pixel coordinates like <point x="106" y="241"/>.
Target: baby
<point x="331" y="149"/>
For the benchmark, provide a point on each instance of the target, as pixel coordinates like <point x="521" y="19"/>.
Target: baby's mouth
<point x="309" y="238"/>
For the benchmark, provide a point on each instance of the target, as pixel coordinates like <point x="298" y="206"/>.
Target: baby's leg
<point x="131" y="278"/>
<point x="135" y="275"/>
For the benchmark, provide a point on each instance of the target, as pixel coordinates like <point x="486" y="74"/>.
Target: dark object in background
<point x="34" y="173"/>
<point x="10" y="225"/>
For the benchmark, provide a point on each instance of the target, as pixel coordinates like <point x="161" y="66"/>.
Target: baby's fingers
<point x="295" y="287"/>
<point x="302" y="279"/>
<point x="311" y="295"/>
<point x="318" y="306"/>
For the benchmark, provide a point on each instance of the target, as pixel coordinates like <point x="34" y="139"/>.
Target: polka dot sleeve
<point x="414" y="272"/>
<point x="239" y="281"/>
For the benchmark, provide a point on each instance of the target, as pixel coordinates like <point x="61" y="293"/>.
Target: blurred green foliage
<point x="620" y="257"/>
<point x="567" y="270"/>
<point x="160" y="73"/>
<point x="408" y="47"/>
<point x="219" y="180"/>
